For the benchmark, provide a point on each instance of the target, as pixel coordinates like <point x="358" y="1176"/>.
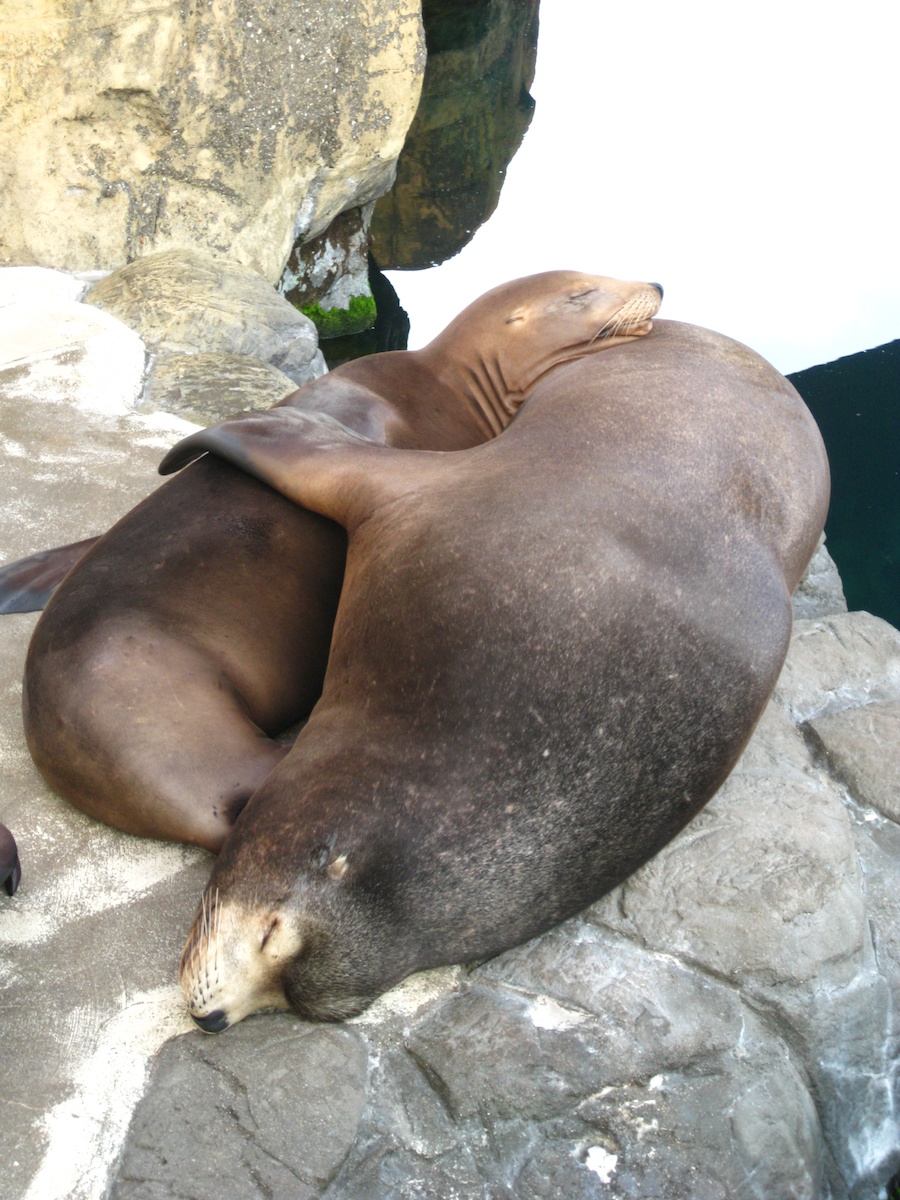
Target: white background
<point x="746" y="157"/>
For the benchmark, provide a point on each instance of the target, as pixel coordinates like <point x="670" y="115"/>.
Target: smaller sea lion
<point x="197" y="629"/>
<point x="549" y="653"/>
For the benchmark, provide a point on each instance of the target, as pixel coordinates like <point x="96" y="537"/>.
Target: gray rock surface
<point x="183" y="301"/>
<point x="333" y="268"/>
<point x="130" y="127"/>
<point x="836" y="664"/>
<point x="89" y="945"/>
<point x="820" y="592"/>
<point x="722" y="1025"/>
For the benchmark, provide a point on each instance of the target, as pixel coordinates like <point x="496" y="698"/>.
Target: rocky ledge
<point x="722" y="1025"/>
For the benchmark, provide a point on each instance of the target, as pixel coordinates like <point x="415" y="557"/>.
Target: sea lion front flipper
<point x="10" y="870"/>
<point x="27" y="584"/>
<point x="311" y="459"/>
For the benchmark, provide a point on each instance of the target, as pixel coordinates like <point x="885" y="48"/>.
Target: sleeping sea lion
<point x="198" y="627"/>
<point x="550" y="651"/>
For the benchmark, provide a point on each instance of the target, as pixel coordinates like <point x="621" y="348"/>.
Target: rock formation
<point x="231" y="127"/>
<point x="474" y="112"/>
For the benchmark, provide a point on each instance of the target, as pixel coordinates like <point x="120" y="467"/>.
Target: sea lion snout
<point x="233" y="960"/>
<point x="213" y="1022"/>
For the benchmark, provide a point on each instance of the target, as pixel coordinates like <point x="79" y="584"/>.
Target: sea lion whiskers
<point x="235" y="941"/>
<point x="632" y="320"/>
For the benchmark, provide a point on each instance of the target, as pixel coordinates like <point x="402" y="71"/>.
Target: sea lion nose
<point x="659" y="288"/>
<point x="213" y="1022"/>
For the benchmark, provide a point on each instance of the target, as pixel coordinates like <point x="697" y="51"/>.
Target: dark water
<point x="856" y="402"/>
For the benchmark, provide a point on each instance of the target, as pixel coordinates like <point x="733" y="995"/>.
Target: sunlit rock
<point x="231" y="126"/>
<point x="208" y="387"/>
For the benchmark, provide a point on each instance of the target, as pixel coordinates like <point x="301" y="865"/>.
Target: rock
<point x="474" y="112"/>
<point x="663" y="1112"/>
<point x="839" y="662"/>
<point x="392" y="319"/>
<point x="181" y="301"/>
<point x="820" y="592"/>
<point x="862" y="747"/>
<point x="282" y="1129"/>
<point x="328" y="277"/>
<point x="69" y="379"/>
<point x="389" y="332"/>
<point x="89" y="944"/>
<point x="208" y="387"/>
<point x="235" y="128"/>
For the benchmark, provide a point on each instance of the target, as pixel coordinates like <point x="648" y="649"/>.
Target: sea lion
<point x="550" y="651"/>
<point x="198" y="627"/>
<point x="10" y="871"/>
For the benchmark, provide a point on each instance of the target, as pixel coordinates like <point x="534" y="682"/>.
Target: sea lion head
<point x="501" y="346"/>
<point x="292" y="918"/>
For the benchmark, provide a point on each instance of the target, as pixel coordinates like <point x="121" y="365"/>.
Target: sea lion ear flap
<point x="309" y="457"/>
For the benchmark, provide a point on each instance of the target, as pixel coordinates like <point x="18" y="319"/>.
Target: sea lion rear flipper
<point x="310" y="458"/>
<point x="27" y="585"/>
<point x="10" y="871"/>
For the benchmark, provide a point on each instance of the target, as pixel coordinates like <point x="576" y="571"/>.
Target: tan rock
<point x="474" y="112"/>
<point x="209" y="387"/>
<point x="128" y="126"/>
<point x="184" y="302"/>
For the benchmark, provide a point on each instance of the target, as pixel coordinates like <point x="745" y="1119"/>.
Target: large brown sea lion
<point x="198" y="627"/>
<point x="549" y="653"/>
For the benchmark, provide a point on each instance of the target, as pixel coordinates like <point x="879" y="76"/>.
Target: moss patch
<point x="340" y="322"/>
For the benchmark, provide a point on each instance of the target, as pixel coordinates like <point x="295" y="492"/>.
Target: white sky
<point x="744" y="157"/>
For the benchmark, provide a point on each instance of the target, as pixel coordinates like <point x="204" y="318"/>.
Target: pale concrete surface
<point x="90" y="943"/>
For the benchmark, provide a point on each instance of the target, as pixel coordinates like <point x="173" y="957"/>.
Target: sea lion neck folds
<point x="527" y="327"/>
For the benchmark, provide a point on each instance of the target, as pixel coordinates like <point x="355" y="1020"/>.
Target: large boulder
<point x="231" y="126"/>
<point x="474" y="112"/>
<point x="185" y="302"/>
